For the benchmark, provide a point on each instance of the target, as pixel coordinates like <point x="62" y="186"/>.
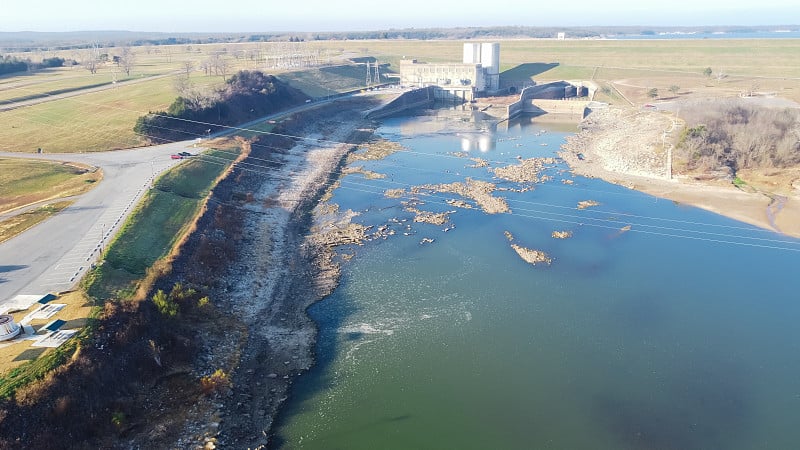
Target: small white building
<point x="8" y="328"/>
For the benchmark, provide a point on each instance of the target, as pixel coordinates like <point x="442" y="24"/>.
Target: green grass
<point x="26" y="91"/>
<point x="154" y="227"/>
<point x="257" y="130"/>
<point x="90" y="122"/>
<point x="319" y="82"/>
<point x="27" y="176"/>
<point x="26" y="181"/>
<point x="50" y="80"/>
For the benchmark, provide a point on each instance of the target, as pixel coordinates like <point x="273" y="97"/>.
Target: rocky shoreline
<point x="272" y="268"/>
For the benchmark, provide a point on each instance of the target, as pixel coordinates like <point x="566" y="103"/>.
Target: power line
<point x="258" y="169"/>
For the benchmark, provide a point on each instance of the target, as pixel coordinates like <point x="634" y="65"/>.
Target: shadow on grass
<point x="30" y="354"/>
<point x="347" y="71"/>
<point x="526" y="71"/>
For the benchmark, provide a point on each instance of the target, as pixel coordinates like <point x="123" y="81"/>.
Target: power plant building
<point x="478" y="73"/>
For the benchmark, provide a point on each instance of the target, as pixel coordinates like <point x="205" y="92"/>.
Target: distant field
<point x="52" y="82"/>
<point x="104" y="120"/>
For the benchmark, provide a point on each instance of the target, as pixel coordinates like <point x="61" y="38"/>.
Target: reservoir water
<point x="679" y="333"/>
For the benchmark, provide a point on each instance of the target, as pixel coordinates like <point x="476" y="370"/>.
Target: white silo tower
<point x="8" y="328"/>
<point x="472" y="53"/>
<point x="490" y="61"/>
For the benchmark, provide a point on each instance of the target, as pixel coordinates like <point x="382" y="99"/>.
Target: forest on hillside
<point x="732" y="135"/>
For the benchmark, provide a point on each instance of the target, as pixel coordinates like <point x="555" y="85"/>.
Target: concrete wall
<point x="416" y="98"/>
<point x="548" y="98"/>
<point x="570" y="107"/>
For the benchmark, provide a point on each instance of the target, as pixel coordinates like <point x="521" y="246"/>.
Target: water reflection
<point x="483" y="142"/>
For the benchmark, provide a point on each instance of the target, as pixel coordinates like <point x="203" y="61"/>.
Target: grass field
<point x="155" y="226"/>
<point x="322" y="81"/>
<point x="53" y="82"/>
<point x="104" y="120"/>
<point x="26" y="181"/>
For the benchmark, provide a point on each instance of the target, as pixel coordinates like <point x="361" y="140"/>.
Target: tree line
<point x="13" y="64"/>
<point x="246" y="95"/>
<point x="31" y="41"/>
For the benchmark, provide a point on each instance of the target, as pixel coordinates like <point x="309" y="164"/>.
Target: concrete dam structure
<point x="559" y="97"/>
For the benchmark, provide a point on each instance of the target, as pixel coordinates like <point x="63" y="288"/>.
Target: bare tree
<point x="188" y="67"/>
<point x="182" y="86"/>
<point x="126" y="60"/>
<point x="223" y="67"/>
<point x="90" y="59"/>
<point x="218" y="65"/>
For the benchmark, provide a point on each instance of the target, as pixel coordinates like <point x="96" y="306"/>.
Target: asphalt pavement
<point x="54" y="255"/>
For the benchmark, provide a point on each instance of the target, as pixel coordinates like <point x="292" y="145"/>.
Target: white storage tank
<point x="472" y="53"/>
<point x="8" y="328"/>
<point x="490" y="57"/>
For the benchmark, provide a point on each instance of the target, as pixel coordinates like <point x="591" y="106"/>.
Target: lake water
<point x="779" y="34"/>
<point x="681" y="333"/>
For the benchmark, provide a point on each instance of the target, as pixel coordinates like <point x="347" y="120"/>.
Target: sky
<point x="351" y="15"/>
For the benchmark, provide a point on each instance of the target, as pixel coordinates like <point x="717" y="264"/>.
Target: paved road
<point x="53" y="255"/>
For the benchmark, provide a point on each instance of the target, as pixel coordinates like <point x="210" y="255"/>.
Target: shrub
<point x="217" y="382"/>
<point x="165" y="304"/>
